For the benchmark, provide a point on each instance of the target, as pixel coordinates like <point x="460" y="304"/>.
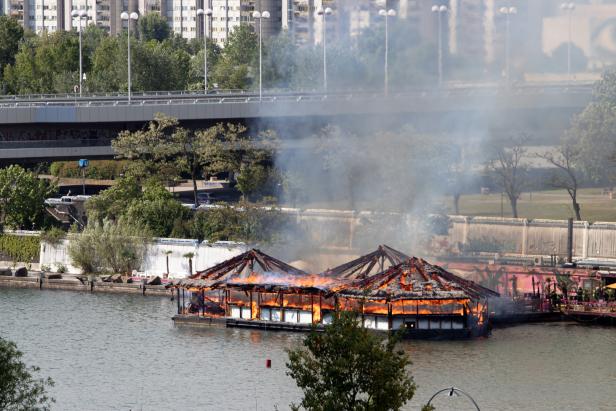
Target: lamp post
<point x="440" y="10"/>
<point x="76" y="14"/>
<point x="205" y="13"/>
<point x="454" y="391"/>
<point x="257" y="15"/>
<point x="507" y="11"/>
<point x="387" y="14"/>
<point x="324" y="12"/>
<point x="568" y="8"/>
<point x="129" y="17"/>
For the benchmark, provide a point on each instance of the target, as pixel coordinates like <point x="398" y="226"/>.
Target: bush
<point x="119" y="247"/>
<point x="246" y="222"/>
<point x="17" y="248"/>
<point x="53" y="236"/>
<point x="98" y="169"/>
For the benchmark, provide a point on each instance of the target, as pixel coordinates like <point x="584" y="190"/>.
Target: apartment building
<point x="36" y="15"/>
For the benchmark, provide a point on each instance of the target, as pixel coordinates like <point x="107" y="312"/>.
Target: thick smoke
<point x="389" y="173"/>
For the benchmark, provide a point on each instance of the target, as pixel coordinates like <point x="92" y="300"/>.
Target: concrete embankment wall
<point x="536" y="237"/>
<point x="205" y="255"/>
<point x="72" y="284"/>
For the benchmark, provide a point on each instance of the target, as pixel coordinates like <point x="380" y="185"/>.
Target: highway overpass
<point x="65" y="126"/>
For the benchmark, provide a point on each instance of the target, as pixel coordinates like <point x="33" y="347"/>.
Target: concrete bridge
<point x="65" y="126"/>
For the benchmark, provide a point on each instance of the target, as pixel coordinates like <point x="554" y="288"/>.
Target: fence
<point x="533" y="237"/>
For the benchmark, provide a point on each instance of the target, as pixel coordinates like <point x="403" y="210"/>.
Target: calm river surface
<point x="122" y="352"/>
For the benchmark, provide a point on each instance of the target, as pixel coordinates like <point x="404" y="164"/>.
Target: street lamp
<point x="76" y="14"/>
<point x="324" y="12"/>
<point x="454" y="391"/>
<point x="205" y="13"/>
<point x="507" y="11"/>
<point x="440" y="10"/>
<point x="129" y="17"/>
<point x="260" y="16"/>
<point x="387" y="14"/>
<point x="568" y="8"/>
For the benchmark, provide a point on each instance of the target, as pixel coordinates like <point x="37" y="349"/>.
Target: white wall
<point x="206" y="255"/>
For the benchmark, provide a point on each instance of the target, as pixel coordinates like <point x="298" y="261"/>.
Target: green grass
<point x="554" y="204"/>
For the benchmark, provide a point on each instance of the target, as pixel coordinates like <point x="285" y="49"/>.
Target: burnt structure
<point x="386" y="288"/>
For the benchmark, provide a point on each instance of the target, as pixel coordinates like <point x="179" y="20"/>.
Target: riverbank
<point x="74" y="284"/>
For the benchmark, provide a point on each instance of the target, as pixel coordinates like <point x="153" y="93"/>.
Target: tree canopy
<point x="22" y="196"/>
<point x="349" y="368"/>
<point x="19" y="388"/>
<point x="11" y="33"/>
<point x="153" y="26"/>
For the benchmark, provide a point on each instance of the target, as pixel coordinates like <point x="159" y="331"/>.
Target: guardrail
<point x="217" y="92"/>
<point x="246" y="97"/>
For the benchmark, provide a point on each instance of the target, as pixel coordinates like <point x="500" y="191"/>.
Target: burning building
<point x="386" y="288"/>
<point x="254" y="289"/>
<point x="420" y="298"/>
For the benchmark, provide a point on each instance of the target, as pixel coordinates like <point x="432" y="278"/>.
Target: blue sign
<point x="83" y="163"/>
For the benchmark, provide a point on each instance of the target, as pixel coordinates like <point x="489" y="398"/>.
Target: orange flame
<point x="285" y="280"/>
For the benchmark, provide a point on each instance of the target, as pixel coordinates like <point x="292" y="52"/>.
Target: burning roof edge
<point x="362" y="286"/>
<point x="236" y="264"/>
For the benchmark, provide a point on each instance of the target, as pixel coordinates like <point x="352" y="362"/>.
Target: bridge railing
<point x="246" y="97"/>
<point x="471" y="90"/>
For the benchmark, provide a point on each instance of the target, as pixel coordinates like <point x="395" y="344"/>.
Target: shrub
<point x="53" y="236"/>
<point x="20" y="248"/>
<point x="246" y="222"/>
<point x="119" y="247"/>
<point x="98" y="169"/>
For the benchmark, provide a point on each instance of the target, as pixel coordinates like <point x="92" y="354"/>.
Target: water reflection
<point x="120" y="352"/>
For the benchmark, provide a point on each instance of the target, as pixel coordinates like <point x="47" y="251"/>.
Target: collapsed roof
<point x="414" y="278"/>
<point x="372" y="263"/>
<point x="404" y="278"/>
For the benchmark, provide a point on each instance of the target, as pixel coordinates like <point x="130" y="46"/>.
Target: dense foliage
<point x="165" y="150"/>
<point x="350" y="368"/>
<point x="19" y="388"/>
<point x="22" y="196"/>
<point x="161" y="60"/>
<point x="20" y="248"/>
<point x="110" y="246"/>
<point x="99" y="169"/>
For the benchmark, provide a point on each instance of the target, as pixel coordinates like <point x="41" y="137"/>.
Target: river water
<point x="122" y="352"/>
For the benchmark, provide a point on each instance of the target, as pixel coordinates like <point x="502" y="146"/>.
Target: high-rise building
<point x="36" y="15"/>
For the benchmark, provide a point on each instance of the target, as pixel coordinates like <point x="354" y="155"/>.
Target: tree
<point x="11" y="33"/>
<point x="568" y="176"/>
<point x="153" y="26"/>
<point x="157" y="210"/>
<point x="247" y="222"/>
<point x="164" y="149"/>
<point x="349" y="368"/>
<point x="152" y="151"/>
<point x="189" y="256"/>
<point x="22" y="197"/>
<point x="229" y="148"/>
<point x="108" y="69"/>
<point x="48" y="63"/>
<point x="238" y="59"/>
<point x="195" y="77"/>
<point x="510" y="171"/>
<point x="113" y="202"/>
<point x="594" y="131"/>
<point x="19" y="389"/>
